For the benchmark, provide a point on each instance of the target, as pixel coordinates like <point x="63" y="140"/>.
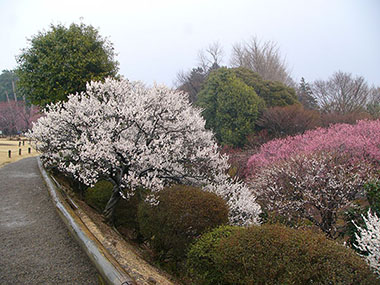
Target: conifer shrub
<point x="183" y="214"/>
<point x="203" y="255"/>
<point x="372" y="189"/>
<point x="274" y="254"/>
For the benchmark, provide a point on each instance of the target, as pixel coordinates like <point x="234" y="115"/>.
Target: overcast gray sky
<point x="155" y="39"/>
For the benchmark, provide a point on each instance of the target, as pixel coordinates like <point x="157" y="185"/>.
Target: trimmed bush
<point x="183" y="213"/>
<point x="202" y="256"/>
<point x="288" y="120"/>
<point x="274" y="254"/>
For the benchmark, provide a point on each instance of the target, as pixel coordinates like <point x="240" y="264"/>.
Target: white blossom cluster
<point x="138" y="137"/>
<point x="369" y="240"/>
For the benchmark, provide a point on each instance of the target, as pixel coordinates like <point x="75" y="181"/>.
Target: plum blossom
<point x="312" y="186"/>
<point x="136" y="136"/>
<point x="360" y="141"/>
<point x="369" y="240"/>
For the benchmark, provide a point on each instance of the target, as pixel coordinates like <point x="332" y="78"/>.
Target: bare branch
<point x="261" y="57"/>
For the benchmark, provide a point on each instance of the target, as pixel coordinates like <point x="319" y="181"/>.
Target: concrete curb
<point x="107" y="266"/>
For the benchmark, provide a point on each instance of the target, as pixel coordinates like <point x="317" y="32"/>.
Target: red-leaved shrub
<point x="288" y="120"/>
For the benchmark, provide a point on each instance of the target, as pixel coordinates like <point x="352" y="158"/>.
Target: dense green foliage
<point x="202" y="256"/>
<point x="60" y="61"/>
<point x="274" y="254"/>
<point x="183" y="213"/>
<point x="274" y="93"/>
<point x="373" y="195"/>
<point x="126" y="210"/>
<point x="98" y="195"/>
<point x="6" y="88"/>
<point x="231" y="107"/>
<point x="305" y="95"/>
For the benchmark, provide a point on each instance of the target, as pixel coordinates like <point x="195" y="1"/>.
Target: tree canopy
<point x="342" y="93"/>
<point x="136" y="137"/>
<point x="305" y="95"/>
<point x="274" y="93"/>
<point x="6" y="85"/>
<point x="231" y="107"/>
<point x="263" y="58"/>
<point x="62" y="60"/>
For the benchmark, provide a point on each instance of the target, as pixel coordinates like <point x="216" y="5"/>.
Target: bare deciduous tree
<point x="373" y="105"/>
<point x="341" y="93"/>
<point x="211" y="57"/>
<point x="191" y="81"/>
<point x="263" y="58"/>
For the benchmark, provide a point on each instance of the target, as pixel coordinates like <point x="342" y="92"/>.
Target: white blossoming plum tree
<point x="138" y="137"/>
<point x="369" y="240"/>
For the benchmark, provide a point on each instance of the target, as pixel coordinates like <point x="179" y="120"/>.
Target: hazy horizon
<point x="157" y="39"/>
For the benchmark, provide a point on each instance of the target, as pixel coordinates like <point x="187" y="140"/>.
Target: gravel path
<point x="35" y="245"/>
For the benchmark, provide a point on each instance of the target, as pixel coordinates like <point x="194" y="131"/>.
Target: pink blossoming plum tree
<point x="361" y="141"/>
<point x="314" y="175"/>
<point x="135" y="137"/>
<point x="313" y="186"/>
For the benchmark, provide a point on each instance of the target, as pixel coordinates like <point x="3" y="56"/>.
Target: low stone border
<point x="107" y="266"/>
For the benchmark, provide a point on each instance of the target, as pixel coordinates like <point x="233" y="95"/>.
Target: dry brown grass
<point x="7" y="144"/>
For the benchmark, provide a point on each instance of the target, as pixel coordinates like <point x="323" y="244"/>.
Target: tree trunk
<point x="109" y="210"/>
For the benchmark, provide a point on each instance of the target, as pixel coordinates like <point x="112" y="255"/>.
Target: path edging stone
<point x="107" y="266"/>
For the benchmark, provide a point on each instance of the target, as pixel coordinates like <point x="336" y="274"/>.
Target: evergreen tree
<point x="62" y="60"/>
<point x="305" y="95"/>
<point x="231" y="107"/>
<point x="274" y="93"/>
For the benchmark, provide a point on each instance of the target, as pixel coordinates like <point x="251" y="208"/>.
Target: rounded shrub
<point x="274" y="254"/>
<point x="98" y="195"/>
<point x="183" y="213"/>
<point x="202" y="256"/>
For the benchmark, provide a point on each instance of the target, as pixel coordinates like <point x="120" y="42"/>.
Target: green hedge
<point x="274" y="254"/>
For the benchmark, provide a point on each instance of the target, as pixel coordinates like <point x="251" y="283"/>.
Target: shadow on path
<point x="35" y="245"/>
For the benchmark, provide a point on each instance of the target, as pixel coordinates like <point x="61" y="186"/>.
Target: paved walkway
<point x="35" y="245"/>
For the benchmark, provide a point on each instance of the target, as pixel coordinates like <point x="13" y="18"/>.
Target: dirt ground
<point x="7" y="144"/>
<point x="127" y="254"/>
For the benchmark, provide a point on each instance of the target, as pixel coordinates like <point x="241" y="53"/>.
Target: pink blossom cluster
<point x="361" y="141"/>
<point x="16" y="116"/>
<point x="313" y="186"/>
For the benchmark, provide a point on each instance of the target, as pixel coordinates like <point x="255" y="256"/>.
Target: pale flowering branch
<point x="368" y="239"/>
<point x="135" y="137"/>
<point x="313" y="186"/>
